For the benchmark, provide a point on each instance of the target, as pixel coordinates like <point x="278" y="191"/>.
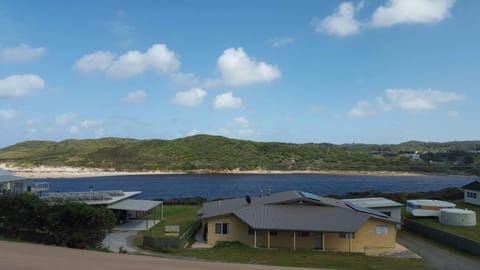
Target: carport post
<point x="161" y="214"/>
<point x="254" y="238"/>
<point x="294" y="240"/>
<point x="146" y="224"/>
<point x="268" y="239"/>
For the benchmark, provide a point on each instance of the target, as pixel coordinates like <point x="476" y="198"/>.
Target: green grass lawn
<point x="236" y="252"/>
<point x="181" y="215"/>
<point x="472" y="232"/>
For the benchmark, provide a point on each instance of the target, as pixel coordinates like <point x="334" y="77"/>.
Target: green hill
<point x="216" y="153"/>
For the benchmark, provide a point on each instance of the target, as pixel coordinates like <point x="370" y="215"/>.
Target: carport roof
<point x="134" y="205"/>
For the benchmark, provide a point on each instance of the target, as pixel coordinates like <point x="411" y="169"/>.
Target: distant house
<point x="123" y="204"/>
<point x="472" y="193"/>
<point x="388" y="207"/>
<point x="295" y="220"/>
<point x="11" y="184"/>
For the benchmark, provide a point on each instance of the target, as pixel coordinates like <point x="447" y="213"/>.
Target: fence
<point x="452" y="240"/>
<point x="172" y="242"/>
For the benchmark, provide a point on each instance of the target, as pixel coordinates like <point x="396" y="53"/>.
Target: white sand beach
<point x="77" y="172"/>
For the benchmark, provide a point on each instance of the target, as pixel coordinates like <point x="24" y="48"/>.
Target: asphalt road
<point x="439" y="256"/>
<point x="23" y="256"/>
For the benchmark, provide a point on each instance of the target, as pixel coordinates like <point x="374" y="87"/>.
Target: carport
<point x="132" y="209"/>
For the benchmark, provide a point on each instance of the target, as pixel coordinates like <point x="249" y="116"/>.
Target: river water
<point x="225" y="186"/>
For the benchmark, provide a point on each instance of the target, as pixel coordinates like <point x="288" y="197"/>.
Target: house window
<point x="221" y="228"/>
<point x="273" y="233"/>
<point x="472" y="195"/>
<point x="382" y="229"/>
<point x="304" y="234"/>
<point x="250" y="231"/>
<point x="347" y="235"/>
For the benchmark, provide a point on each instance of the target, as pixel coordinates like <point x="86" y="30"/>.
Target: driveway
<point x="439" y="256"/>
<point x="119" y="240"/>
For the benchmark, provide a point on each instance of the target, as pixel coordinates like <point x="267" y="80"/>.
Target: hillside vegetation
<point x="216" y="153"/>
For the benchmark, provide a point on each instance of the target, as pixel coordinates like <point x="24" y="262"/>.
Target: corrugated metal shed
<point x="134" y="205"/>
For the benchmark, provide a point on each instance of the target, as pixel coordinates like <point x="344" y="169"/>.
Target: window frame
<point x="222" y="228"/>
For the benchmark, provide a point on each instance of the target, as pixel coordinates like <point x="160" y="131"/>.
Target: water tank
<point x="457" y="217"/>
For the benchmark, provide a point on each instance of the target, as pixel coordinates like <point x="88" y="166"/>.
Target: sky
<point x="371" y="71"/>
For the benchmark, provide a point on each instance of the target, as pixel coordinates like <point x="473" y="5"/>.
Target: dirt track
<point x="22" y="256"/>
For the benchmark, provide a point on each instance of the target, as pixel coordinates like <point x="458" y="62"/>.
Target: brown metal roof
<point x="302" y="218"/>
<point x="294" y="210"/>
<point x="224" y="207"/>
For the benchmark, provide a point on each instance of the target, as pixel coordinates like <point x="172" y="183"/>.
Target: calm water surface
<point x="223" y="186"/>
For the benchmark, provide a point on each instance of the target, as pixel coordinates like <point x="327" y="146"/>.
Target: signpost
<point x="172" y="230"/>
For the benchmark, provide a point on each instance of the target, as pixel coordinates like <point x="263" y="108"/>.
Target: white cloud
<point x="453" y="114"/>
<point x="238" y="69"/>
<point x="341" y="23"/>
<point x="135" y="97"/>
<point x="280" y="42"/>
<point x="190" y="98"/>
<point x="157" y="58"/>
<point x="362" y="109"/>
<point x="21" y="53"/>
<point x="411" y="11"/>
<point x="97" y="61"/>
<point x="91" y="124"/>
<point x="7" y="114"/>
<point x="407" y="100"/>
<point x="65" y="119"/>
<point x="417" y="100"/>
<point x="17" y="86"/>
<point x="227" y="101"/>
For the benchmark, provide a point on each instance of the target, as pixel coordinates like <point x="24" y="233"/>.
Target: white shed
<point x="472" y="193"/>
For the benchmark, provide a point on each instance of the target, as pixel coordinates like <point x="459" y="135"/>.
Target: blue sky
<point x="312" y="71"/>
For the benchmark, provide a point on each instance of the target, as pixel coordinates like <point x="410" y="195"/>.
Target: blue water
<point x="223" y="186"/>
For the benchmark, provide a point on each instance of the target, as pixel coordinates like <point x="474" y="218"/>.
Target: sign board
<point x="172" y="230"/>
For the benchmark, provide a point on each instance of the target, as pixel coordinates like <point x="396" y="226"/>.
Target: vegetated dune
<point x="216" y="154"/>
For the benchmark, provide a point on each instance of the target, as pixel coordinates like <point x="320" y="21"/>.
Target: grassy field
<point x="472" y="232"/>
<point x="236" y="252"/>
<point x="181" y="215"/>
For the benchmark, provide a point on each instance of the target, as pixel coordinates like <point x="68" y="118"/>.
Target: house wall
<point x="395" y="212"/>
<point x="365" y="237"/>
<point x="467" y="199"/>
<point x="238" y="231"/>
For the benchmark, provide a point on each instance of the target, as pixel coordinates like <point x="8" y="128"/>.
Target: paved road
<point x="439" y="256"/>
<point x="20" y="256"/>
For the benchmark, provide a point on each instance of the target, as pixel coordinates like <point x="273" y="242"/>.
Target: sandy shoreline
<point x="77" y="172"/>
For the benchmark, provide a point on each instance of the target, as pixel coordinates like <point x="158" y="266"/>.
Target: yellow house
<point x="295" y="220"/>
